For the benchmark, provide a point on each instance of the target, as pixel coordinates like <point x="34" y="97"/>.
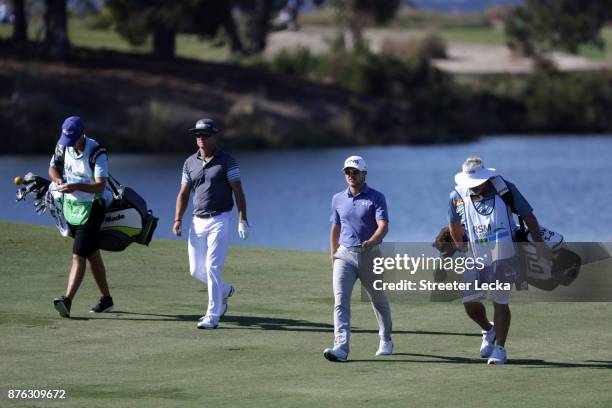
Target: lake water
<point x="288" y="192"/>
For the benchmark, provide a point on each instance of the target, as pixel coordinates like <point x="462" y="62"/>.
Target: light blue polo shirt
<point x="357" y="215"/>
<point x="485" y="204"/>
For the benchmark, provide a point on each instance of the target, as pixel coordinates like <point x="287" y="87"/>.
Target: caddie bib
<point x="489" y="234"/>
<point x="77" y="205"/>
<point x="77" y="212"/>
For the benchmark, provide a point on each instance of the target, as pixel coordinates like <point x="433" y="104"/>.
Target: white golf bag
<point x="126" y="219"/>
<point x="563" y="269"/>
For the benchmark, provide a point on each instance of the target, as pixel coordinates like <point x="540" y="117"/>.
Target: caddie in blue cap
<point x="72" y="130"/>
<point x="79" y="170"/>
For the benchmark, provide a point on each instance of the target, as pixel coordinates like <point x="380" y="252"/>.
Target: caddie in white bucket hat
<point x="473" y="173"/>
<point x="481" y="209"/>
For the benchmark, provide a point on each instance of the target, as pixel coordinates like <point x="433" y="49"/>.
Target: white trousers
<point x="208" y="244"/>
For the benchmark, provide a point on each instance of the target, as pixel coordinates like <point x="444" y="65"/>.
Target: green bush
<point x="433" y="46"/>
<point x="575" y="102"/>
<point x="299" y="62"/>
<point x="429" y="46"/>
<point x="408" y="100"/>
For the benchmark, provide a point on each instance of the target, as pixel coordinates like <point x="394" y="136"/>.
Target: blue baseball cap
<point x="72" y="129"/>
<point x="205" y="126"/>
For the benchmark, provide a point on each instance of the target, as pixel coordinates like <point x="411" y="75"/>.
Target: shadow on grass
<point x="530" y="363"/>
<point x="256" y="322"/>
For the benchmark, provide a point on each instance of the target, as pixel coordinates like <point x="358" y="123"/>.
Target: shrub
<point x="299" y="62"/>
<point x="429" y="46"/>
<point x="575" y="102"/>
<point x="432" y="46"/>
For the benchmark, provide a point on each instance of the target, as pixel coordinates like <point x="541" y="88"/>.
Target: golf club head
<point x="21" y="194"/>
<point x="33" y="184"/>
<point x="40" y="206"/>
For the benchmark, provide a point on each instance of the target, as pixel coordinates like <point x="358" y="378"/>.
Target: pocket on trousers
<point x="339" y="252"/>
<point x="197" y="226"/>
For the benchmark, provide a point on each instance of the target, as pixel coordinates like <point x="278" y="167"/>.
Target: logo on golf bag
<point x="118" y="217"/>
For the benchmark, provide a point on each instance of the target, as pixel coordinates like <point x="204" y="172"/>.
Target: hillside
<point x="139" y="103"/>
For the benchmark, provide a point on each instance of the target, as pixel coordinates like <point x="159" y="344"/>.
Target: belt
<point x="209" y="214"/>
<point x="359" y="249"/>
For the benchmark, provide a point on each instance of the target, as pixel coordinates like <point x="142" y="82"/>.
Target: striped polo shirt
<point x="210" y="181"/>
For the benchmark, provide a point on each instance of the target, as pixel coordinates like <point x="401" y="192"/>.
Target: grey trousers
<point x="346" y="272"/>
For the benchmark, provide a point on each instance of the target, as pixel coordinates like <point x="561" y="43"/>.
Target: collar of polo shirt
<point x="199" y="157"/>
<point x="365" y="190"/>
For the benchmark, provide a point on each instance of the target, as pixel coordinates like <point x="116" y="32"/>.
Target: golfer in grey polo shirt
<point x="212" y="175"/>
<point x="359" y="222"/>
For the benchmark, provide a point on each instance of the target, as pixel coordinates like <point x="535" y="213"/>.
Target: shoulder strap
<point x="95" y="153"/>
<point x="93" y="156"/>
<point x="58" y="155"/>
<point x="115" y="186"/>
<point x="502" y="189"/>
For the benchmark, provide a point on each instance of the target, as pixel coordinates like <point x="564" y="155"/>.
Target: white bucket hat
<point x="355" y="162"/>
<point x="473" y="173"/>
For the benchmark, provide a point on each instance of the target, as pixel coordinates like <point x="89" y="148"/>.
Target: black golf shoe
<point x="105" y="304"/>
<point x="62" y="304"/>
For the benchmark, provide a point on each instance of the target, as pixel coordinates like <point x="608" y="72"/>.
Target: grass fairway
<point x="268" y="350"/>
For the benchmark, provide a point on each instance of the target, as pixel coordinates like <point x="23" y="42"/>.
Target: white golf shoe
<point x="225" y="307"/>
<point x="385" y="348"/>
<point x="229" y="295"/>
<point x="335" y="354"/>
<point x="208" y="322"/>
<point x="498" y="356"/>
<point x="488" y="342"/>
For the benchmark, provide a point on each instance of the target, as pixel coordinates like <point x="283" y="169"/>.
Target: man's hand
<point x="367" y="245"/>
<point x="177" y="227"/>
<point x="243" y="229"/>
<point x="66" y="188"/>
<point x="461" y="246"/>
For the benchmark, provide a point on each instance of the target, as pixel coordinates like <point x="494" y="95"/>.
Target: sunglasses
<point x="349" y="172"/>
<point x="204" y="135"/>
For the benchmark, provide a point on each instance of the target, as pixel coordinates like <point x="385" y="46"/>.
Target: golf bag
<point x="540" y="273"/>
<point x="127" y="218"/>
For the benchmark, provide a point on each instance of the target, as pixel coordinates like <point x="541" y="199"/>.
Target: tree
<point x="356" y="15"/>
<point x="539" y="26"/>
<point x="56" y="35"/>
<point x="136" y="20"/>
<point x="209" y="16"/>
<point x="20" y="29"/>
<point x="258" y="14"/>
